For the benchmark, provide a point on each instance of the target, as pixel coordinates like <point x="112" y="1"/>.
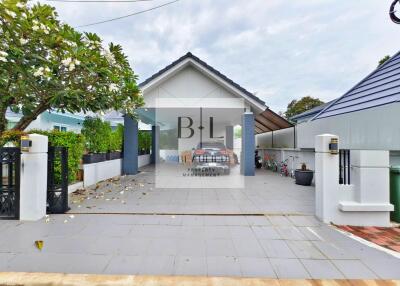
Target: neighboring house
<point x="365" y="118"/>
<point x="50" y="120"/>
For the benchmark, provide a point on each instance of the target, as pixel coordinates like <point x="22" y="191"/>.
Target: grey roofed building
<point x="380" y="87"/>
<point x="309" y="113"/>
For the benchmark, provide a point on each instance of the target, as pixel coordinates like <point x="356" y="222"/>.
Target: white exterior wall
<point x="188" y="90"/>
<point x="96" y="172"/>
<point x="283" y="138"/>
<point x="371" y="129"/>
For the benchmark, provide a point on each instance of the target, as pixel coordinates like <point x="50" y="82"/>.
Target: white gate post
<point x="33" y="178"/>
<point x="326" y="178"/>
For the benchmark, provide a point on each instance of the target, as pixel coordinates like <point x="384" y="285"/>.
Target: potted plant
<point x="303" y="176"/>
<point x="115" y="144"/>
<point x="97" y="135"/>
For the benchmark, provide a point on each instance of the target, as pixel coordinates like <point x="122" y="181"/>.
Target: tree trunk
<point x="27" y="119"/>
<point x="3" y="119"/>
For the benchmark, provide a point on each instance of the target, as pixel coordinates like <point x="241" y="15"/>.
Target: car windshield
<point x="209" y="145"/>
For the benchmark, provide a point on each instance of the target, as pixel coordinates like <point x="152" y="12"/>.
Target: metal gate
<point x="344" y="167"/>
<point x="10" y="158"/>
<point x="57" y="180"/>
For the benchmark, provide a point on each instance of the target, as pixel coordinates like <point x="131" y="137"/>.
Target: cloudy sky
<point x="281" y="50"/>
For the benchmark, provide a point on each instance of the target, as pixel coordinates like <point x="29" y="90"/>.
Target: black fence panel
<point x="344" y="167"/>
<point x="57" y="180"/>
<point x="10" y="161"/>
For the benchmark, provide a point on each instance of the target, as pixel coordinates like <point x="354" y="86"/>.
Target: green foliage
<point x="238" y="132"/>
<point x="11" y="136"/>
<point x="116" y="138"/>
<point x="97" y="135"/>
<point x="168" y="139"/>
<point x="299" y="106"/>
<point x="144" y="138"/>
<point x="383" y="60"/>
<point x="75" y="144"/>
<point x="46" y="64"/>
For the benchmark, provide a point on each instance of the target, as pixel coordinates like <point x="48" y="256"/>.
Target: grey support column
<point x="247" y="166"/>
<point x="229" y="137"/>
<point x="155" y="147"/>
<point x="130" y="161"/>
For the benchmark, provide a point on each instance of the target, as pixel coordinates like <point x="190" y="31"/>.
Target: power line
<point x="129" y="15"/>
<point x="98" y="1"/>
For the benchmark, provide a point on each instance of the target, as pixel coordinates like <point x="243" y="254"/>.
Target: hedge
<point x="75" y="144"/>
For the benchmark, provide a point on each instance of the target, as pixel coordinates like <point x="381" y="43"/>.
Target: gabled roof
<point x="310" y="113"/>
<point x="209" y="68"/>
<point x="379" y="88"/>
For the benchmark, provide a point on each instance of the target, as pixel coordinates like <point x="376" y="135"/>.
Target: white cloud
<point x="282" y="50"/>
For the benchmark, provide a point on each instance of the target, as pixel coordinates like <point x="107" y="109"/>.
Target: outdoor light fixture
<point x="392" y="11"/>
<point x="26" y="143"/>
<point x="334" y="146"/>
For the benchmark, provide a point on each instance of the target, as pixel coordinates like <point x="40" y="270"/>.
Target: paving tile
<point x="277" y="248"/>
<point x="157" y="265"/>
<point x="278" y="220"/>
<point x="241" y="232"/>
<point x="4" y="260"/>
<point x="214" y="232"/>
<point x="162" y="247"/>
<point x="236" y="221"/>
<point x="310" y="233"/>
<point x="322" y="269"/>
<point x="304" y="220"/>
<point x="220" y="247"/>
<point x="64" y="263"/>
<point x="223" y="266"/>
<point x="124" y="265"/>
<point x="332" y="251"/>
<point x="286" y="268"/>
<point x="266" y="232"/>
<point x="385" y="268"/>
<point x="305" y="249"/>
<point x="191" y="247"/>
<point x="213" y="220"/>
<point x="248" y="248"/>
<point x="133" y="246"/>
<point x="256" y="267"/>
<point x="258" y="220"/>
<point x="290" y="233"/>
<point x="354" y="269"/>
<point x="189" y="265"/>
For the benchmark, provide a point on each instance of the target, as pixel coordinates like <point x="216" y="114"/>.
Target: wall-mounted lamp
<point x="334" y="146"/>
<point x="26" y="143"/>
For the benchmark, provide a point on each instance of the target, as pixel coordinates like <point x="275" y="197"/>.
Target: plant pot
<point x="113" y="155"/>
<point x="94" y="158"/>
<point x="304" y="178"/>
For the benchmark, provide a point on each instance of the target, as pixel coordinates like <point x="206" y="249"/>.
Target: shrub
<point x="75" y="144"/>
<point x="144" y="138"/>
<point x="97" y="135"/>
<point x="11" y="136"/>
<point x="116" y="138"/>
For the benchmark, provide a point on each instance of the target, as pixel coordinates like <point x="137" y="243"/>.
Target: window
<point x="60" y="128"/>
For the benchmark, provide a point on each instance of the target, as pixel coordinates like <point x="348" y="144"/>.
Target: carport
<point x="193" y="102"/>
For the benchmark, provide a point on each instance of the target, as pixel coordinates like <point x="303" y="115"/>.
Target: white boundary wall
<point x="96" y="172"/>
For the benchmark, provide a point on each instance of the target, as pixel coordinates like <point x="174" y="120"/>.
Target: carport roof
<point x="265" y="121"/>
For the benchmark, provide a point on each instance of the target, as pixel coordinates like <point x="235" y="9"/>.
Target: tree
<point x="383" y="60"/>
<point x="47" y="65"/>
<point x="299" y="106"/>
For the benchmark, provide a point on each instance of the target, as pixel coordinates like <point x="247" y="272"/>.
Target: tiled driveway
<point x="238" y="240"/>
<point x="266" y="192"/>
<point x="249" y="246"/>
